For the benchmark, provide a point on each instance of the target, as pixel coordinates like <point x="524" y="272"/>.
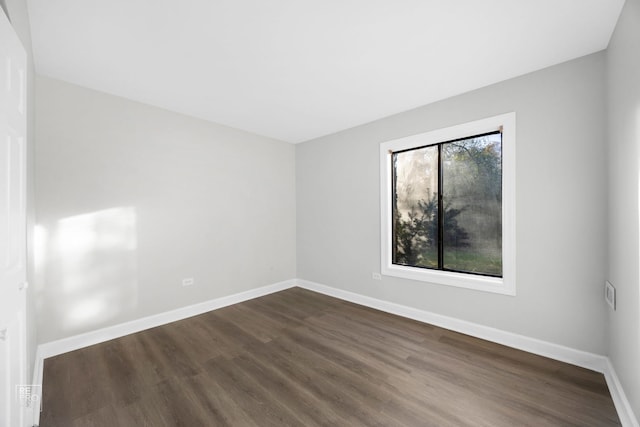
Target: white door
<point x="13" y="356"/>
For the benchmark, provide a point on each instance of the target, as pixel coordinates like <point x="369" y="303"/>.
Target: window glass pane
<point x="472" y="204"/>
<point x="415" y="207"/>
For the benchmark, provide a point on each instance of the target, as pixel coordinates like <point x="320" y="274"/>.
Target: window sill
<point x="469" y="281"/>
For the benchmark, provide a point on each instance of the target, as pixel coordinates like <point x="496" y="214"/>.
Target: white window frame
<point x="507" y="283"/>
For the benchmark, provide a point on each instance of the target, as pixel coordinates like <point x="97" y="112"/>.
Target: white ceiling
<point x="299" y="69"/>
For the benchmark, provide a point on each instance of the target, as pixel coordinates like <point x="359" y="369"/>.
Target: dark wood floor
<point x="304" y="359"/>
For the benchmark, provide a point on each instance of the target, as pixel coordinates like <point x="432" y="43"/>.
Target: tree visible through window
<point x="447" y="205"/>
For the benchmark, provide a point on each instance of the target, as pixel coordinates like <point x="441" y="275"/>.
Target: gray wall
<point x="132" y="198"/>
<point x="623" y="87"/>
<point x="19" y="16"/>
<point x="561" y="217"/>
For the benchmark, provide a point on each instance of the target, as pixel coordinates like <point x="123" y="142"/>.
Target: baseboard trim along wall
<point x="625" y="412"/>
<point x="554" y="351"/>
<point x="561" y="353"/>
<point x="76" y="342"/>
<point x="580" y="358"/>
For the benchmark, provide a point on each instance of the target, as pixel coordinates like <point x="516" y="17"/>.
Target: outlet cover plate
<point x="610" y="294"/>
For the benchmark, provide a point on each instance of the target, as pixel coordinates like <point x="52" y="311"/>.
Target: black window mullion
<point x="440" y="212"/>
<point x="393" y="208"/>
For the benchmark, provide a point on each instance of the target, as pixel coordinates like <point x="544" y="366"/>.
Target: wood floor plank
<point x="249" y="323"/>
<point x="78" y="371"/>
<point x="223" y="410"/>
<point x="258" y="403"/>
<point x="320" y="387"/>
<point x="299" y="358"/>
<point x="296" y="397"/>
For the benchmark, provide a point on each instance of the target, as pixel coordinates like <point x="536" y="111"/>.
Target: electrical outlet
<point x="188" y="281"/>
<point x="376" y="276"/>
<point x="610" y="294"/>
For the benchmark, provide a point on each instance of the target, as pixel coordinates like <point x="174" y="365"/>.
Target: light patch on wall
<point x="90" y="266"/>
<point x="40" y="237"/>
<point x="85" y="310"/>
<point x="637" y="143"/>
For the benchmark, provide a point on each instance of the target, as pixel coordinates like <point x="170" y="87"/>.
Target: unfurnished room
<point x="319" y="213"/>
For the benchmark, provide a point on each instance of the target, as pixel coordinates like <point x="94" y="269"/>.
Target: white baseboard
<point x="625" y="412"/>
<point x="561" y="353"/>
<point x="36" y="379"/>
<point x="554" y="351"/>
<point x="558" y="352"/>
<point x="76" y="342"/>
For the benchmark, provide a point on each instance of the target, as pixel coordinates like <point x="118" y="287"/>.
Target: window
<point x="448" y="201"/>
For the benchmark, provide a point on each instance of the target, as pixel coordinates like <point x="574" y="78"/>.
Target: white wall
<point x="561" y="217"/>
<point x="132" y="198"/>
<point x="19" y="16"/>
<point x="623" y="87"/>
